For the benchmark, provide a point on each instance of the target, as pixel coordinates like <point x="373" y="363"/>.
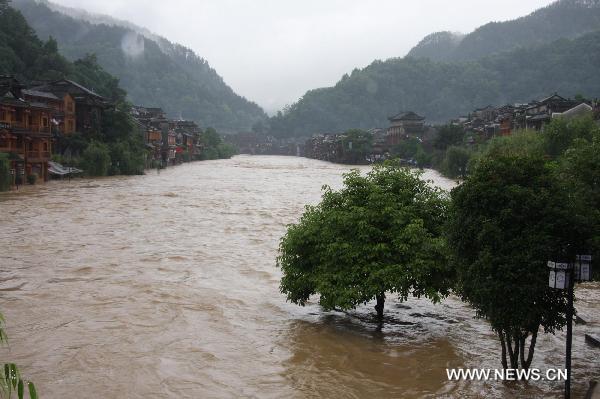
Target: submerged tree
<point x="381" y="233"/>
<point x="506" y="221"/>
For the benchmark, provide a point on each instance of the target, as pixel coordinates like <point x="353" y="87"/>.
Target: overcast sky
<point x="273" y="51"/>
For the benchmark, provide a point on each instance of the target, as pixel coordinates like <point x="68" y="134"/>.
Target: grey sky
<point x="273" y="51"/>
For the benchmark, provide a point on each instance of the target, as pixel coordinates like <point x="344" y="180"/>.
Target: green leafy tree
<point x="210" y="137"/>
<point x="96" y="159"/>
<point x="456" y="161"/>
<point x="10" y="379"/>
<point x="226" y="150"/>
<point x="562" y="132"/>
<point x="579" y="172"/>
<point x="449" y="135"/>
<point x="381" y="233"/>
<point x="507" y="219"/>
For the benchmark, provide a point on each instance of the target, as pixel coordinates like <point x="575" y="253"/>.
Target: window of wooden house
<point x="45" y="146"/>
<point x="3" y="115"/>
<point x="70" y="107"/>
<point x="30" y="146"/>
<point x="45" y="121"/>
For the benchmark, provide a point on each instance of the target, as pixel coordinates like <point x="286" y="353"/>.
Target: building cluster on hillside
<point x="169" y="141"/>
<point x="31" y="119"/>
<point x="487" y="122"/>
<point x="335" y="147"/>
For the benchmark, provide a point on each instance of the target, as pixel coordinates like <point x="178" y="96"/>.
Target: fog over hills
<point x="153" y="70"/>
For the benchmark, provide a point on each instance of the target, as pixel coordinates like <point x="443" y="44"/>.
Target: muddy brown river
<point x="165" y="286"/>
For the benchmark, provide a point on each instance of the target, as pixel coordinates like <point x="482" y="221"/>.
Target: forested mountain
<point x="30" y="59"/>
<point x="154" y="71"/>
<point x="437" y="46"/>
<point x="441" y="91"/>
<point x="562" y="19"/>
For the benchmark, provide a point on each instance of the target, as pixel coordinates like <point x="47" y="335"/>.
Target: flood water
<point x="165" y="286"/>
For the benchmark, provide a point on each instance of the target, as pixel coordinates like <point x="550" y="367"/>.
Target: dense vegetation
<point x="155" y="72"/>
<point x="561" y="19"/>
<point x="528" y="198"/>
<point x="441" y="91"/>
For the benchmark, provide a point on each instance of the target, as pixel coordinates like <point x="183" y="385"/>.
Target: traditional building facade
<point x="404" y="124"/>
<point x="82" y="108"/>
<point x="25" y="131"/>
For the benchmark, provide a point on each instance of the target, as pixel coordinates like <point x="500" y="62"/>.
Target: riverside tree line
<point x="528" y="198"/>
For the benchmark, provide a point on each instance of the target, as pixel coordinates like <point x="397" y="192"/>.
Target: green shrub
<point x="32" y="178"/>
<point x="226" y="150"/>
<point x="456" y="161"/>
<point x="5" y="177"/>
<point x="96" y="159"/>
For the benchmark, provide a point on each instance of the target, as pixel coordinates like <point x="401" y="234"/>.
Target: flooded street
<point x="165" y="286"/>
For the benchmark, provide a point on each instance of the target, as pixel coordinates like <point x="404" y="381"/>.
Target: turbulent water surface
<point x="165" y="285"/>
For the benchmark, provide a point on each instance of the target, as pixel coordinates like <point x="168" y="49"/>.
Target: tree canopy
<point x="381" y="233"/>
<point x="507" y="219"/>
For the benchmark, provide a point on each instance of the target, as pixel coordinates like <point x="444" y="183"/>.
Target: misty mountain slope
<point x="441" y="91"/>
<point x="562" y="19"/>
<point x="154" y="71"/>
<point x="437" y="46"/>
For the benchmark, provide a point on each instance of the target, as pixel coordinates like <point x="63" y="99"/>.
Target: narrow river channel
<point x="165" y="286"/>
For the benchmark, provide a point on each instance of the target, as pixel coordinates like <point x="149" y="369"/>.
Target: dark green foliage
<point x="96" y="159"/>
<point x="561" y="133"/>
<point x="127" y="158"/>
<point x="407" y="148"/>
<point x="5" y="178"/>
<point x="412" y="149"/>
<point x="213" y="146"/>
<point x="210" y="137"/>
<point x="380" y="233"/>
<point x="441" y="91"/>
<point x="448" y="135"/>
<point x="31" y="179"/>
<point x="579" y="172"/>
<point x="456" y="161"/>
<point x="507" y="219"/>
<point x="226" y="150"/>
<point x="161" y="74"/>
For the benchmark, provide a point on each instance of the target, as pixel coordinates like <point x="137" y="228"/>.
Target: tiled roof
<point x="407" y="116"/>
<point x="36" y="93"/>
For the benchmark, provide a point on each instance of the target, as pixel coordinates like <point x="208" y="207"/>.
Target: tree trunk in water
<point x="379" y="306"/>
<point x="503" y="342"/>
<point x="527" y="363"/>
<point x="513" y="353"/>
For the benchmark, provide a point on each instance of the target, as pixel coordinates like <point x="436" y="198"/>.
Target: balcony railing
<point x="22" y="127"/>
<point x="42" y="155"/>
